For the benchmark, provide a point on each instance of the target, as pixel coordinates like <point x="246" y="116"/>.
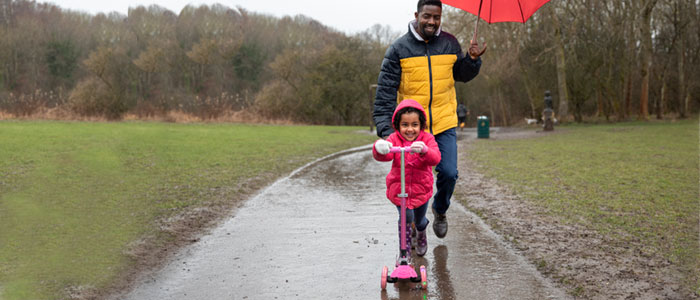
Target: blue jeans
<point x="446" y="170"/>
<point x="417" y="213"/>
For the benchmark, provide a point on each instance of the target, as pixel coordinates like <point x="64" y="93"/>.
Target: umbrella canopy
<point x="493" y="11"/>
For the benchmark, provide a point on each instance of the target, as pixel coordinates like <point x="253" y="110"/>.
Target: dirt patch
<point x="583" y="262"/>
<point x="151" y="252"/>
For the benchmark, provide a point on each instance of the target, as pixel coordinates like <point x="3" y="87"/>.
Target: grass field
<point x="632" y="181"/>
<point x="74" y="195"/>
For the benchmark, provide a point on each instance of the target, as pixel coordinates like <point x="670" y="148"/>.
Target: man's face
<point x="428" y="19"/>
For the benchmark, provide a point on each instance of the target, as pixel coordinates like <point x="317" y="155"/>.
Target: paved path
<point x="324" y="233"/>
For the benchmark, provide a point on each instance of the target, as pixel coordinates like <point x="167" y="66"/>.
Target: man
<point x="548" y="112"/>
<point x="462" y="113"/>
<point x="423" y="65"/>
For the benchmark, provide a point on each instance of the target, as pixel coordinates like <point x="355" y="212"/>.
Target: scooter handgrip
<point x="398" y="149"/>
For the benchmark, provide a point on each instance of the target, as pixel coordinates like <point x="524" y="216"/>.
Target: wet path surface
<point x="324" y="233"/>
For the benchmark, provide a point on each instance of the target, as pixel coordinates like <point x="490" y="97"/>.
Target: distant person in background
<point x="548" y="100"/>
<point x="548" y="112"/>
<point x="423" y="65"/>
<point x="462" y="113"/>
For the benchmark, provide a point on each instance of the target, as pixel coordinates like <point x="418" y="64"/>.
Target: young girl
<point x="409" y="124"/>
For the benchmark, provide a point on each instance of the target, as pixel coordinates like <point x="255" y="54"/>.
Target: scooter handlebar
<point x="398" y="149"/>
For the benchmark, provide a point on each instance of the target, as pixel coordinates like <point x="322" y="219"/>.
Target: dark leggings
<point x="417" y="213"/>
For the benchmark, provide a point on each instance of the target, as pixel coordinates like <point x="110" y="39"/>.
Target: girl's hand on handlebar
<point x="382" y="146"/>
<point x="419" y="147"/>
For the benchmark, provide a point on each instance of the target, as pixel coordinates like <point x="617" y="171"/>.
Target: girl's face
<point x="409" y="126"/>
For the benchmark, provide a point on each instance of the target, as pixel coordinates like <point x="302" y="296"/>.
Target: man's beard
<point x="429" y="35"/>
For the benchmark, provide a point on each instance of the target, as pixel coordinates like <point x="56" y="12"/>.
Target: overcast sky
<point x="349" y="16"/>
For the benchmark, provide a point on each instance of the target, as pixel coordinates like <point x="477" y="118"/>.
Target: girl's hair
<point x="410" y="109"/>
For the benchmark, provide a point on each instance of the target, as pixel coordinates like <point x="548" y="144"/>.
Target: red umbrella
<point x="493" y="11"/>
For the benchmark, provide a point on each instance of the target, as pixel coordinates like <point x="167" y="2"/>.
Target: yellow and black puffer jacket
<point x="426" y="72"/>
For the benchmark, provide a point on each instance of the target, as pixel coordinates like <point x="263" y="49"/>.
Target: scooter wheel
<point x="423" y="278"/>
<point x="385" y="272"/>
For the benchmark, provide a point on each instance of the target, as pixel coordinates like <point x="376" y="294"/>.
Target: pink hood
<point x="405" y="103"/>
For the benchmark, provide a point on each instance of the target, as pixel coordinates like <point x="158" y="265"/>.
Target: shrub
<point x="24" y="105"/>
<point x="92" y="97"/>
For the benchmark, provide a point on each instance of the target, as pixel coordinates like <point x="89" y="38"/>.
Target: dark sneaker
<point x="440" y="224"/>
<point x="422" y="243"/>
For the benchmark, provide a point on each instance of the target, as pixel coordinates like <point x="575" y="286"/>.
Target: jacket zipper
<point x="430" y="74"/>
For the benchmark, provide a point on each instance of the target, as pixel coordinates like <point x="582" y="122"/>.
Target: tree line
<point x="612" y="60"/>
<point x="616" y="60"/>
<point x="204" y="61"/>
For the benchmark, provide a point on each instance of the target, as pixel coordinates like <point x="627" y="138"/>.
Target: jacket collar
<point x="412" y="29"/>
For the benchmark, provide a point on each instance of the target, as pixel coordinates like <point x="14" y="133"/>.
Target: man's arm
<point x="385" y="100"/>
<point x="467" y="67"/>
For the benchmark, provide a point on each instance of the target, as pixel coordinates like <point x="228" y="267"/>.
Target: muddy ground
<point x="151" y="252"/>
<point x="586" y="264"/>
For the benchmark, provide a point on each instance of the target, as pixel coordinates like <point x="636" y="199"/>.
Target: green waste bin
<point x="482" y="127"/>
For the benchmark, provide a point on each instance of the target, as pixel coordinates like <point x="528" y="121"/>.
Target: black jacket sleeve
<point x="465" y="68"/>
<point x="387" y="86"/>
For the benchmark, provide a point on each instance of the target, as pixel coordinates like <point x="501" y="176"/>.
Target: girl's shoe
<point x="422" y="243"/>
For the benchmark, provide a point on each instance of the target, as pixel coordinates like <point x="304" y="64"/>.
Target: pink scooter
<point x="404" y="269"/>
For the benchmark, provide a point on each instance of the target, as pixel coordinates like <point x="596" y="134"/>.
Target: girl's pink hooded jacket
<point x="419" y="171"/>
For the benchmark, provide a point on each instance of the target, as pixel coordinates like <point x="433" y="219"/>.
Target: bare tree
<point x="647" y="52"/>
<point x="561" y="66"/>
